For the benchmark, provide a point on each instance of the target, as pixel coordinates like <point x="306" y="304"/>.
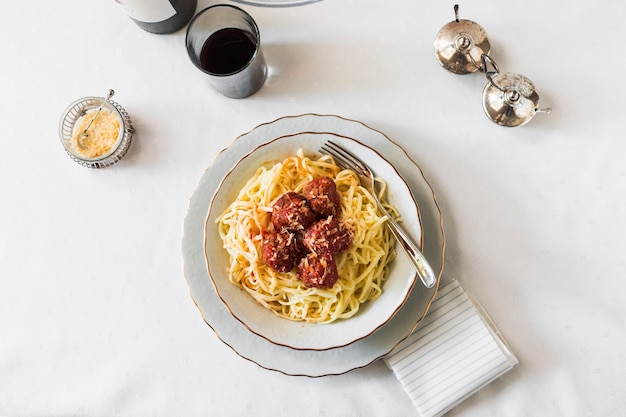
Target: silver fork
<point x="347" y="160"/>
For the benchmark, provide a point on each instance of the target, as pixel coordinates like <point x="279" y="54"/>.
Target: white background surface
<point x="95" y="314"/>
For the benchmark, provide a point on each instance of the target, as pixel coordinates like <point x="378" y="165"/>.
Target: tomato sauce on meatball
<point x="281" y="250"/>
<point x="304" y="234"/>
<point x="318" y="271"/>
<point x="292" y="212"/>
<point x="326" y="236"/>
<point x="323" y="196"/>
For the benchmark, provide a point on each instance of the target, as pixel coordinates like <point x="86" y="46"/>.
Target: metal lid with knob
<point x="511" y="99"/>
<point x="460" y="44"/>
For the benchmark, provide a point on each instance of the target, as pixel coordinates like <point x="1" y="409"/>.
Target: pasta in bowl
<point x="354" y="291"/>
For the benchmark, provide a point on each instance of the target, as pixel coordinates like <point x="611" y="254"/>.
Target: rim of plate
<point x="405" y="293"/>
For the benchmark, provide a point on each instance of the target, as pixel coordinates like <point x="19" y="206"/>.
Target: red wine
<point x="227" y="51"/>
<point x="224" y="42"/>
<point x="163" y="16"/>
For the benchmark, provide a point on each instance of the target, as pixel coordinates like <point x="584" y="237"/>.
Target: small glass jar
<point x="111" y="150"/>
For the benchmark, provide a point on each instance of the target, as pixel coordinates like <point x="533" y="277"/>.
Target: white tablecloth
<point x="95" y="313"/>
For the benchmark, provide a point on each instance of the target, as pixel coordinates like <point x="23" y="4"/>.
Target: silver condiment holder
<point x="79" y="109"/>
<point x="509" y="99"/>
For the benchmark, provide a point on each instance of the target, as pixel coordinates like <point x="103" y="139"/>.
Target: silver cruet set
<point x="509" y="99"/>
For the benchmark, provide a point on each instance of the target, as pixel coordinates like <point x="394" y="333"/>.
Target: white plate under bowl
<point x="372" y="315"/>
<point x="310" y="363"/>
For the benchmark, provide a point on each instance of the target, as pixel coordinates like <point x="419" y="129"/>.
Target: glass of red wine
<point x="224" y="42"/>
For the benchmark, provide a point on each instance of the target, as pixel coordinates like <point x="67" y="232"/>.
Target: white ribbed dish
<point x="372" y="315"/>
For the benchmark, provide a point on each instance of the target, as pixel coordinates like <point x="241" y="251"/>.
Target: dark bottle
<point x="160" y="16"/>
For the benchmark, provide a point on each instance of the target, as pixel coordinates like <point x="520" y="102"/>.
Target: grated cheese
<point x="101" y="135"/>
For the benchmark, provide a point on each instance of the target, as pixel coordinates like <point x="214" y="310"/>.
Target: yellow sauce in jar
<point x="101" y="135"/>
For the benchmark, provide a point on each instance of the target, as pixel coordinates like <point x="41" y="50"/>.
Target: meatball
<point x="326" y="236"/>
<point x="323" y="196"/>
<point x="281" y="251"/>
<point x="292" y="212"/>
<point x="318" y="271"/>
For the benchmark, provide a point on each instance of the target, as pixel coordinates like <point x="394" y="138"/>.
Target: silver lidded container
<point x="106" y="141"/>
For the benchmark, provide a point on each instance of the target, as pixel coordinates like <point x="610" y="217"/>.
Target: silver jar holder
<point x="509" y="99"/>
<point x="90" y="107"/>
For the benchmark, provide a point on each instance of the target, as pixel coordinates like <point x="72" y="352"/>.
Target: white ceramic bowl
<point x="300" y="335"/>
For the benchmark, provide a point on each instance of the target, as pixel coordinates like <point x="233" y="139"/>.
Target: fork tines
<point x="343" y="157"/>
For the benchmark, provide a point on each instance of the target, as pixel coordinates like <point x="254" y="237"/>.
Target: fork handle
<point x="423" y="268"/>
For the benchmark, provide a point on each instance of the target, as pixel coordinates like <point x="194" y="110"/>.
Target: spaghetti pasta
<point x="362" y="267"/>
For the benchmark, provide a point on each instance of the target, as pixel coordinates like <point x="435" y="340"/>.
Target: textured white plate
<point x="372" y="315"/>
<point x="308" y="362"/>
